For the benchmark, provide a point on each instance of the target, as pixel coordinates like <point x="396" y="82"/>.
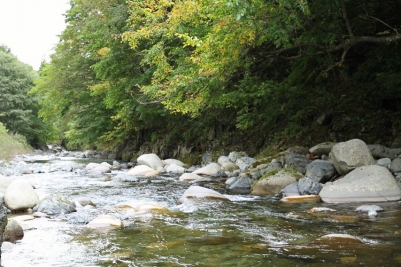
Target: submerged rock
<point x="200" y="192"/>
<point x="105" y="221"/>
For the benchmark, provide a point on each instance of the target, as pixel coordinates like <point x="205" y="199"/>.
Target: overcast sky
<point x="30" y="28"/>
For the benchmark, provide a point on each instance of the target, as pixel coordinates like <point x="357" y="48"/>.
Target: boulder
<point x="307" y="186"/>
<point x="174" y="168"/>
<point x="244" y="163"/>
<point x="151" y="160"/>
<point x="150" y="207"/>
<point x="190" y="177"/>
<point x="290" y="190"/>
<point x="297" y="162"/>
<point x="396" y="165"/>
<point x="199" y="192"/>
<point x="13" y="231"/>
<point x="372" y="183"/>
<point x="322" y="149"/>
<point x="241" y="184"/>
<point x="173" y="161"/>
<point x="229" y="166"/>
<point x="210" y="169"/>
<point x="54" y="205"/>
<point x="273" y="182"/>
<point x="349" y="155"/>
<point x="233" y="156"/>
<point x="97" y="169"/>
<point x="385" y="162"/>
<point x="320" y="171"/>
<point x="105" y="221"/>
<point x="223" y="159"/>
<point x="380" y="151"/>
<point x="142" y="170"/>
<point x="20" y="195"/>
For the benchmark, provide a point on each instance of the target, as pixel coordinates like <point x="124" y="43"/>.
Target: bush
<point x="11" y="145"/>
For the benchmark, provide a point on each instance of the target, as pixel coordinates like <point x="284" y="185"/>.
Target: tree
<point x="18" y="109"/>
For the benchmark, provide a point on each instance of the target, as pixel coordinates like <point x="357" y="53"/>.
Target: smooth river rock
<point x="200" y="192"/>
<point x="349" y="155"/>
<point x="372" y="183"/>
<point x="151" y="160"/>
<point x="20" y="195"/>
<point x="210" y="169"/>
<point x="142" y="170"/>
<point x="273" y="182"/>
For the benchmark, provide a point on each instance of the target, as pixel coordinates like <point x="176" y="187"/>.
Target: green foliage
<point x="11" y="144"/>
<point x="197" y="70"/>
<point x="18" y="109"/>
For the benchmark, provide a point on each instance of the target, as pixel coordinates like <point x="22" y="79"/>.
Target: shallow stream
<point x="246" y="231"/>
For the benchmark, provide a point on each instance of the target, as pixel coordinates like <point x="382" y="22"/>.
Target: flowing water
<point x="246" y="231"/>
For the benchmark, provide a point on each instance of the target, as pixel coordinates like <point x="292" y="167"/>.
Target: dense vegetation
<point x="11" y="144"/>
<point x="18" y="109"/>
<point x="210" y="74"/>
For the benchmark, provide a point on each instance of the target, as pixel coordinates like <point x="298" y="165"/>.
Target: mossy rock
<point x="272" y="182"/>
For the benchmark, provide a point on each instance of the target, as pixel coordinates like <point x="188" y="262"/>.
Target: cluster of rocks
<point x="331" y="172"/>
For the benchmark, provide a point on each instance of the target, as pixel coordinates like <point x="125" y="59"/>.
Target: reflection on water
<point x="248" y="231"/>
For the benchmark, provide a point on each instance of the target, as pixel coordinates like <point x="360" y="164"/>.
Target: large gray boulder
<point x="151" y="160"/>
<point x="322" y="149"/>
<point x="380" y="151"/>
<point x="320" y="171"/>
<point x="20" y="195"/>
<point x="273" y="182"/>
<point x="349" y="155"/>
<point x="307" y="186"/>
<point x="297" y="162"/>
<point x="364" y="184"/>
<point x="54" y="205"/>
<point x="396" y="165"/>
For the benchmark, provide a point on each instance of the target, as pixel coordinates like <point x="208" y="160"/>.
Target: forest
<point x="191" y="76"/>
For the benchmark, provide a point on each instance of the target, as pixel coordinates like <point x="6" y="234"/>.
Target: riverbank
<point x="162" y="224"/>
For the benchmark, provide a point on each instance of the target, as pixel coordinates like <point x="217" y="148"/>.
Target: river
<point x="246" y="231"/>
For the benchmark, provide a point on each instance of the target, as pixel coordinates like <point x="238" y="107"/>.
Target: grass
<point x="11" y="145"/>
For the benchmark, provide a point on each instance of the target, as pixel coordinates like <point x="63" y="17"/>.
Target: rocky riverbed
<point x="331" y="204"/>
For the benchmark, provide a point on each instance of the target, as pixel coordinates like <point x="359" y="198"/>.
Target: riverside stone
<point x="242" y="183"/>
<point x="349" y="155"/>
<point x="210" y="169"/>
<point x="174" y="168"/>
<point x="372" y="183"/>
<point x="190" y="177"/>
<point x="20" y="195"/>
<point x="54" y="205"/>
<point x="142" y="170"/>
<point x="199" y="192"/>
<point x="396" y="165"/>
<point x="385" y="162"/>
<point x="307" y="186"/>
<point x="13" y="231"/>
<point x="229" y="166"/>
<point x="151" y="160"/>
<point x="297" y="162"/>
<point x="380" y="151"/>
<point x="174" y="161"/>
<point x="274" y="181"/>
<point x="103" y="221"/>
<point x="322" y="149"/>
<point x="320" y="171"/>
